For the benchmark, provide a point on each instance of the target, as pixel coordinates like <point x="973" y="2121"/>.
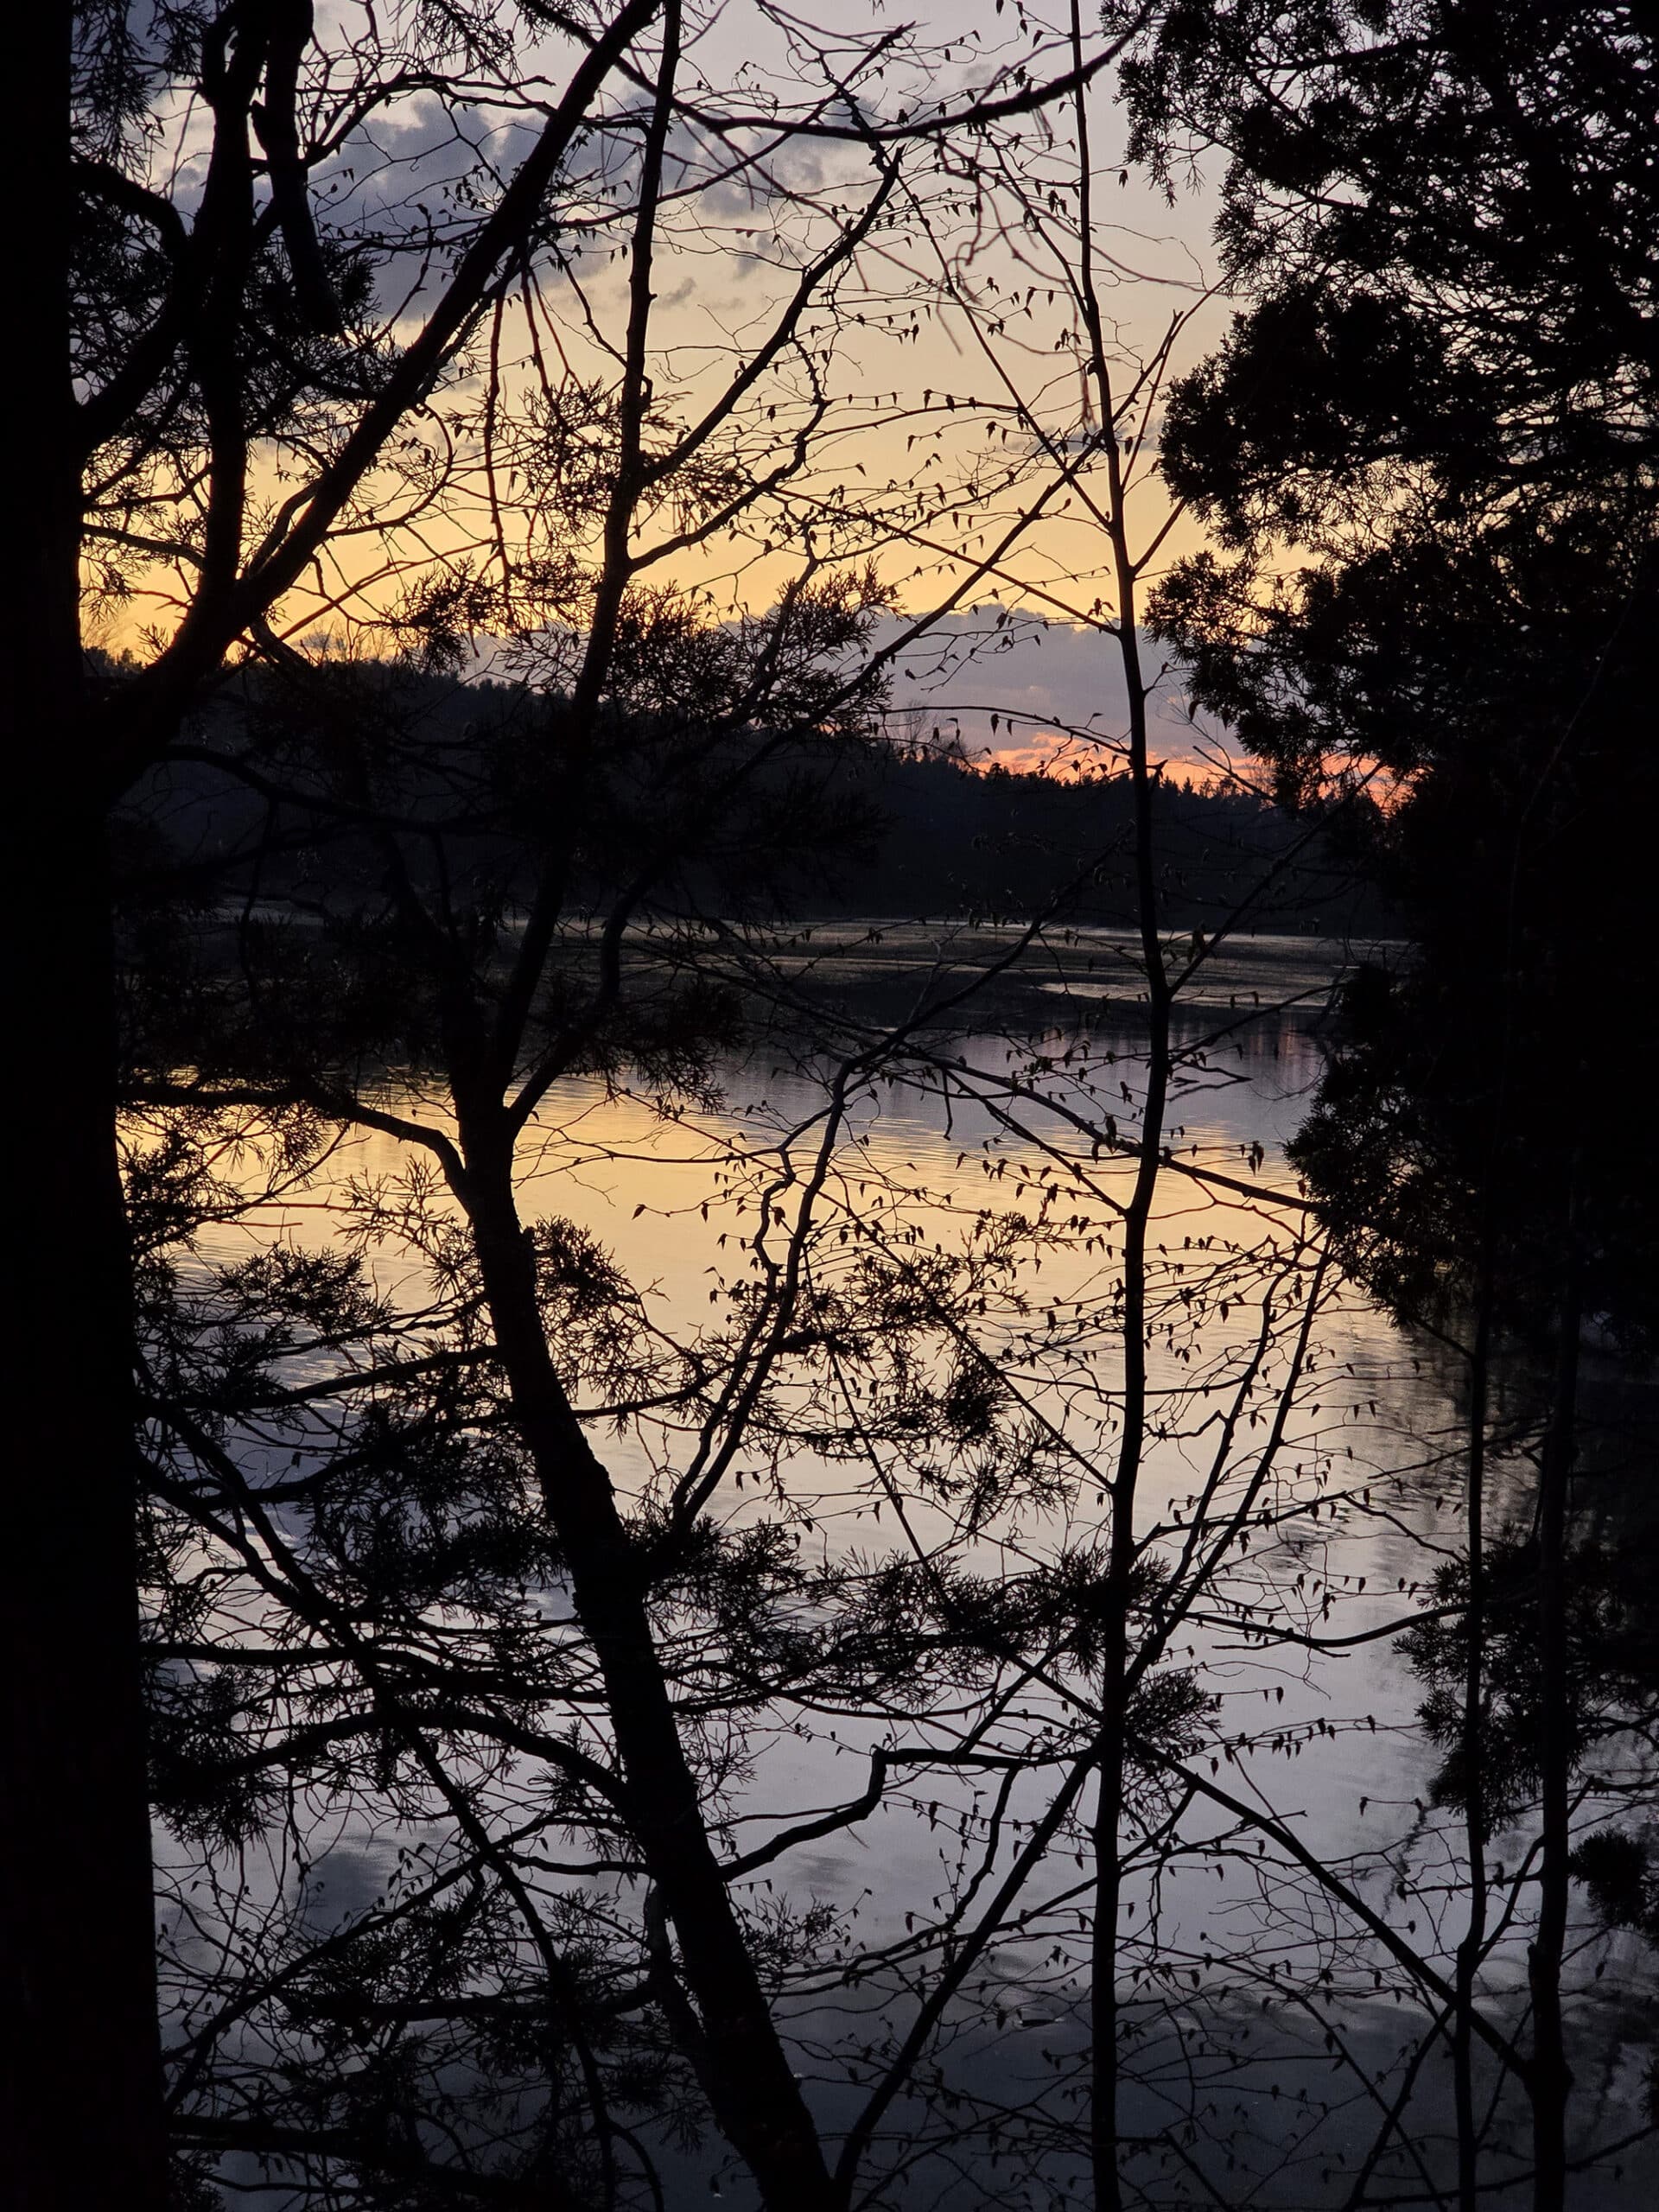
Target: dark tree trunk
<point x="82" y="2120"/>
<point x="1115" y="1672"/>
<point x="1551" y="2077"/>
<point x="1472" y="1947"/>
<point x="735" y="2046"/>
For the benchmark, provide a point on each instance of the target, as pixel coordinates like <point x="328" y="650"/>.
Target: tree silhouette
<point x="227" y="389"/>
<point x="1441" y="395"/>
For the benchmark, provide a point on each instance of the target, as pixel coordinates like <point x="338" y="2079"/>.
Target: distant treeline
<point x="906" y="834"/>
<point x="996" y="846"/>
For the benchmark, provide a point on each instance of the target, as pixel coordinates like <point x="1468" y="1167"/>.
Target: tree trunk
<point x="1553" y="2078"/>
<point x="1469" y="1950"/>
<point x="740" y="2060"/>
<point x="1105" y="2127"/>
<point x="81" y="2125"/>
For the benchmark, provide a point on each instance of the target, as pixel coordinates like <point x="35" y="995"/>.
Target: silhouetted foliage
<point x="1444" y="390"/>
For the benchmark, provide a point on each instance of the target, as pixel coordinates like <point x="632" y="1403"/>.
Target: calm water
<point x="1334" y="1746"/>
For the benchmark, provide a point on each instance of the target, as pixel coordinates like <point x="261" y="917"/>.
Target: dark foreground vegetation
<point x="1026" y="1648"/>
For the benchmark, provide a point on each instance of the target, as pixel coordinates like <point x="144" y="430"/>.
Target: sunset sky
<point x="921" y="398"/>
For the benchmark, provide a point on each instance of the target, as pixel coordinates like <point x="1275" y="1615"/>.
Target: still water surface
<point x="1344" y="1762"/>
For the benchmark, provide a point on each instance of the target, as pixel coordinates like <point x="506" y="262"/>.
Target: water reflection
<point x="1274" y="2054"/>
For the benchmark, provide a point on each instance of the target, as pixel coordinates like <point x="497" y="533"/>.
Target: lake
<point x="1271" y="2038"/>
